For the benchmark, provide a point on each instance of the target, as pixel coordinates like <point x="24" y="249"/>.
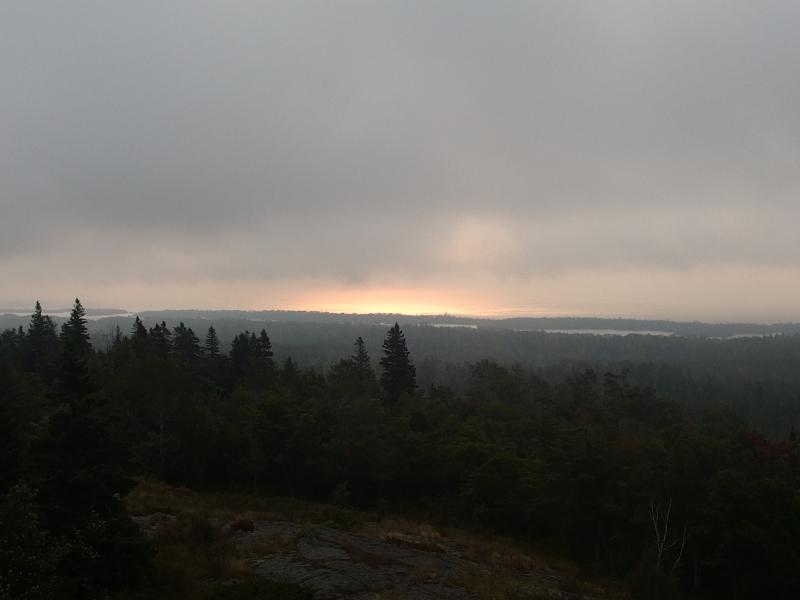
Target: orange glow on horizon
<point x="372" y="301"/>
<point x="411" y="301"/>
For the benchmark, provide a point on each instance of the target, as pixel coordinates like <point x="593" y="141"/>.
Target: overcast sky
<point x="610" y="158"/>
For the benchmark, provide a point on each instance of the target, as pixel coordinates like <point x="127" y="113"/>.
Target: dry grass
<point x="151" y="496"/>
<point x="190" y="551"/>
<point x="403" y="532"/>
<point x="279" y="543"/>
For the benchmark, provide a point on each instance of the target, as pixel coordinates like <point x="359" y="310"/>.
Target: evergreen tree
<point x="139" y="337"/>
<point x="29" y="556"/>
<point x="212" y="342"/>
<point x="73" y="382"/>
<point x="240" y="355"/>
<point x="362" y="368"/>
<point x="138" y="330"/>
<point x="117" y="338"/>
<point x="15" y="421"/>
<point x="161" y="340"/>
<point x="186" y="346"/>
<point x="75" y="333"/>
<point x="12" y="346"/>
<point x="42" y="343"/>
<point x="264" y="345"/>
<point x="399" y="374"/>
<point x="264" y="350"/>
<point x="354" y="376"/>
<point x="81" y="481"/>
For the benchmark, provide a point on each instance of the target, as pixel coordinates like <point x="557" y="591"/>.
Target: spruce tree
<point x="186" y="346"/>
<point x="139" y="337"/>
<point x="161" y="340"/>
<point x="363" y="376"/>
<point x="361" y="363"/>
<point x="81" y="479"/>
<point x="75" y="333"/>
<point x="212" y="342"/>
<point x="240" y="355"/>
<point x="42" y="343"/>
<point x="264" y="346"/>
<point x="73" y="382"/>
<point x="138" y="330"/>
<point x="399" y="374"/>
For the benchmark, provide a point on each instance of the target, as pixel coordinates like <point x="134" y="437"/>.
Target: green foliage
<point x="29" y="556"/>
<point x="73" y="382"/>
<point x="41" y="344"/>
<point x="353" y="376"/>
<point x="80" y="480"/>
<point x="212" y="342"/>
<point x="399" y="374"/>
<point x="75" y="334"/>
<point x="22" y="409"/>
<point x="185" y="345"/>
<point x="574" y="461"/>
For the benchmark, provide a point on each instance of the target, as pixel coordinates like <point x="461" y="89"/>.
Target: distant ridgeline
<point x="587" y="325"/>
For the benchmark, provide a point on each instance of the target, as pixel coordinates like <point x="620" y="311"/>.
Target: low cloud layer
<point x="608" y="158"/>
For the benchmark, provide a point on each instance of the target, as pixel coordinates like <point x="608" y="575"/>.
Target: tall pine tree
<point x="81" y="479"/>
<point x="265" y="348"/>
<point x="186" y="346"/>
<point x="212" y="342"/>
<point x="42" y="344"/>
<point x="399" y="375"/>
<point x="361" y="362"/>
<point x="73" y="383"/>
<point x="161" y="340"/>
<point x="75" y="333"/>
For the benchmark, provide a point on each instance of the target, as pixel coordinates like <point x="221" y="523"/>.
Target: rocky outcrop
<point x="333" y="564"/>
<point x="337" y="564"/>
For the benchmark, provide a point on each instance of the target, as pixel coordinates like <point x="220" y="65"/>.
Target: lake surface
<point x="602" y="331"/>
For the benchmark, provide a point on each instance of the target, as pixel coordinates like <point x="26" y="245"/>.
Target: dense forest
<point x="756" y="376"/>
<point x="595" y="460"/>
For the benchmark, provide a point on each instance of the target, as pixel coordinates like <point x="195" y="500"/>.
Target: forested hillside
<point x="672" y="498"/>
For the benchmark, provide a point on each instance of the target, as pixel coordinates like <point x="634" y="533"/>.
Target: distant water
<point x="602" y="331"/>
<point x="454" y="325"/>
<point x="623" y="332"/>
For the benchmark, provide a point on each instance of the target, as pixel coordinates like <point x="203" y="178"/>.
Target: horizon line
<point x="498" y="316"/>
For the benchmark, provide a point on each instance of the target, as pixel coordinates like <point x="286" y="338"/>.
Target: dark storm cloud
<point x="281" y="141"/>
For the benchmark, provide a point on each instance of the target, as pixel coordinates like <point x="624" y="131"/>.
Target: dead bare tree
<point x="660" y="517"/>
